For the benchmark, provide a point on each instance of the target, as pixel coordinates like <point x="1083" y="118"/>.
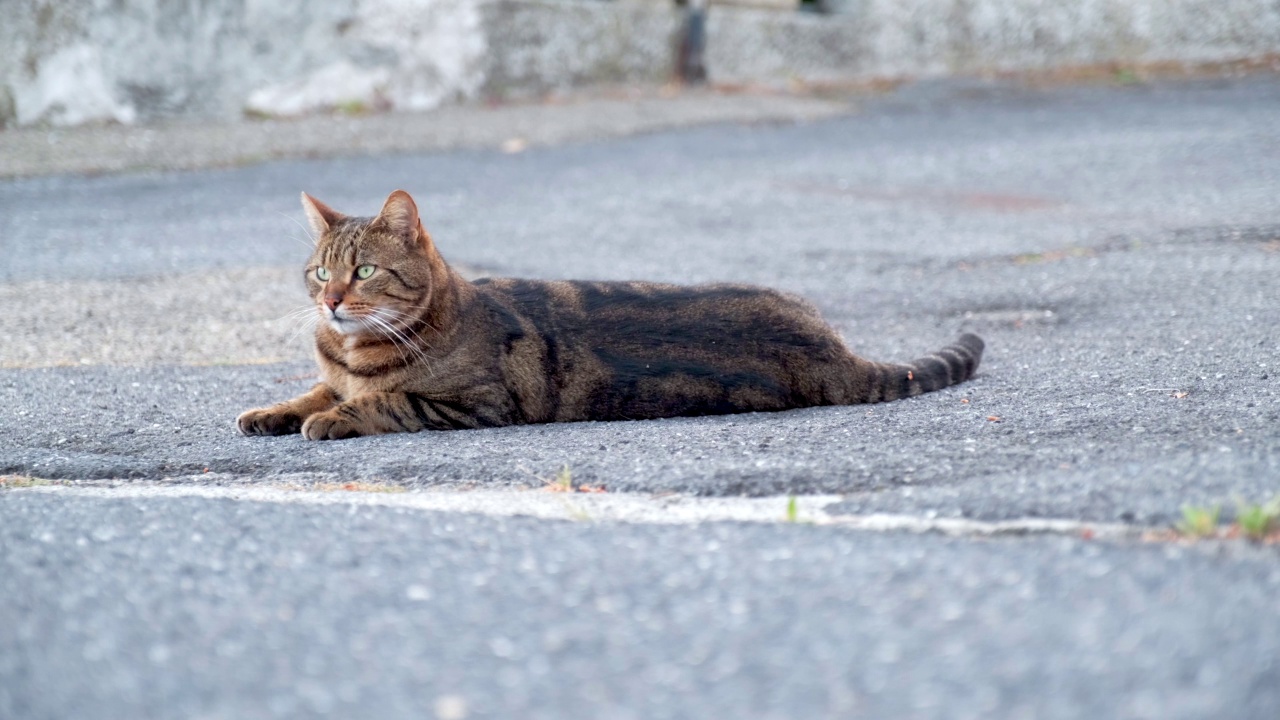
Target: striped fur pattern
<point x="405" y="344"/>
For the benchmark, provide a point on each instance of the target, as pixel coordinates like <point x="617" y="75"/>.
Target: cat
<point x="406" y="344"/>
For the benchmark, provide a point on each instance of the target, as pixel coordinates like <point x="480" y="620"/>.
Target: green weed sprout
<point x="1257" y="520"/>
<point x="1199" y="521"/>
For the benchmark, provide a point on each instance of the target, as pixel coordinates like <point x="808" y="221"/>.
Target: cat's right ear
<point x="320" y="216"/>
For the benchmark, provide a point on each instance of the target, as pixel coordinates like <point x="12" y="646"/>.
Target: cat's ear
<point x="400" y="215"/>
<point x="320" y="216"/>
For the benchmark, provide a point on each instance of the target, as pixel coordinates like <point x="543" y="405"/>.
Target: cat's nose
<point x="332" y="301"/>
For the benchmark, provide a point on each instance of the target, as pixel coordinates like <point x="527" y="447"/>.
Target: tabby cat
<point x="406" y="344"/>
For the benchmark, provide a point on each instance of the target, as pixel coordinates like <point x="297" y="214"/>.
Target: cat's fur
<point x="415" y="346"/>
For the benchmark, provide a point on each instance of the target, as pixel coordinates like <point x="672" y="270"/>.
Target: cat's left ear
<point x="400" y="216"/>
<point x="320" y="216"/>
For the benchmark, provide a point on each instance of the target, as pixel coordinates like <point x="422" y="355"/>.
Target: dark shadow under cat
<point x="406" y="344"/>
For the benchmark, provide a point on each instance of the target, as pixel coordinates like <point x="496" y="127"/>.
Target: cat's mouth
<point x="343" y="323"/>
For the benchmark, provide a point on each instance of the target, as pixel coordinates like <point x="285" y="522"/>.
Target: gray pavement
<point x="1118" y="249"/>
<point x="187" y="608"/>
<point x="196" y="144"/>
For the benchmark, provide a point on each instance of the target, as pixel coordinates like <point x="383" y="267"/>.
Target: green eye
<point x="364" y="271"/>
<point x="322" y="273"/>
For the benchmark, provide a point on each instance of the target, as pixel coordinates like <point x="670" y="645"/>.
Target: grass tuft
<point x="1258" y="520"/>
<point x="1199" y="522"/>
<point x="562" y="482"/>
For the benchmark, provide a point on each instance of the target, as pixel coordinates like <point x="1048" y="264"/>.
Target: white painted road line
<point x="615" y="507"/>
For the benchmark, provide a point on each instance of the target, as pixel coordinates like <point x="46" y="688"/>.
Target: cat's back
<point x="641" y="312"/>
<point x="575" y="350"/>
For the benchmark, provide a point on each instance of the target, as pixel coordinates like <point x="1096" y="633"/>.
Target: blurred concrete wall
<point x="66" y="62"/>
<point x="908" y="38"/>
<point x="71" y="61"/>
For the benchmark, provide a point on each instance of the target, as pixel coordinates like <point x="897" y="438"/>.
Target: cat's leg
<point x="380" y="413"/>
<point x="287" y="417"/>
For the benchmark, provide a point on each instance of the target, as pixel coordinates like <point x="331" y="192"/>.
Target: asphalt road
<point x="1118" y="249"/>
<point x="225" y="609"/>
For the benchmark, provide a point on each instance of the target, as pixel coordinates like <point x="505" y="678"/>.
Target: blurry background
<point x="67" y="62"/>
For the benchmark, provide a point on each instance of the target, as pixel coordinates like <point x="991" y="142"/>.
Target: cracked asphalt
<point x="1117" y="248"/>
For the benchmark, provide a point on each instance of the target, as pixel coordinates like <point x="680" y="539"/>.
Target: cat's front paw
<point x="269" y="421"/>
<point x="329" y="426"/>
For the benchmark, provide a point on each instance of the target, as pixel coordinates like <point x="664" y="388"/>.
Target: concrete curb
<point x="539" y="46"/>
<point x="870" y="39"/>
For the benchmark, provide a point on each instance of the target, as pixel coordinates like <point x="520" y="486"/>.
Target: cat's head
<point x="370" y="276"/>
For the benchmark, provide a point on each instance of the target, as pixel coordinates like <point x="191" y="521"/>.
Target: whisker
<point x="402" y="317"/>
<point x="410" y="307"/>
<point x="298" y="240"/>
<point x="298" y="312"/>
<point x="382" y="328"/>
<point x="305" y="231"/>
<point x="417" y="352"/>
<point x="305" y="322"/>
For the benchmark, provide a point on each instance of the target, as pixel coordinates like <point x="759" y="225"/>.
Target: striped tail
<point x="952" y="364"/>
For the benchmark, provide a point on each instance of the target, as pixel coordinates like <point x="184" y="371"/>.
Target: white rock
<point x="437" y="49"/>
<point x="69" y="88"/>
<point x="440" y="46"/>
